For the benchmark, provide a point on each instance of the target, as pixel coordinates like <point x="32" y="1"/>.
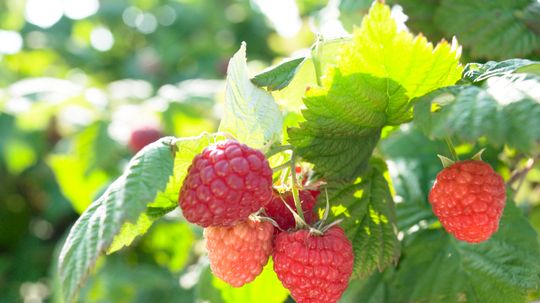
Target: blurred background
<point x="78" y="77"/>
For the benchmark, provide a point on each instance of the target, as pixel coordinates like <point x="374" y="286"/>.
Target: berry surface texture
<point x="314" y="268"/>
<point x="239" y="253"/>
<point x="468" y="197"/>
<point x="226" y="183"/>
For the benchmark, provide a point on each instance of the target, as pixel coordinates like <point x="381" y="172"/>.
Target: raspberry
<point x="468" y="198"/>
<point x="238" y="253"/>
<point x="141" y="137"/>
<point x="277" y="210"/>
<point x="226" y="183"/>
<point x="315" y="269"/>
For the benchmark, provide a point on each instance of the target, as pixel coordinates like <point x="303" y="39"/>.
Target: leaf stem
<point x="294" y="190"/>
<point x="277" y="149"/>
<point x="315" y="53"/>
<point x="284" y="165"/>
<point x="451" y="148"/>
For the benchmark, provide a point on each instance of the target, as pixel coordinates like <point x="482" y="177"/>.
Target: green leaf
<point x="344" y="121"/>
<point x="369" y="219"/>
<point x="490" y="28"/>
<point x="438" y="268"/>
<point x="279" y="76"/>
<point x="250" y="114"/>
<point x="96" y="149"/>
<point x="506" y="110"/>
<point x="124" y="201"/>
<point x="533" y="68"/>
<point x="166" y="200"/>
<point x="265" y="288"/>
<point x="381" y="50"/>
<point x="477" y="72"/>
<point x="413" y="165"/>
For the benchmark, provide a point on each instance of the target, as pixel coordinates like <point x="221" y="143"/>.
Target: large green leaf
<point x="506" y="110"/>
<point x="490" y="28"/>
<point x="379" y="48"/>
<point x="166" y="200"/>
<point x="344" y="120"/>
<point x="124" y="201"/>
<point x="438" y="268"/>
<point x="367" y="208"/>
<point x="250" y="114"/>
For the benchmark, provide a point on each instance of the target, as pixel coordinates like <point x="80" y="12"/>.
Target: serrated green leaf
<point x="250" y="114"/>
<point x="367" y="208"/>
<point x="381" y="50"/>
<point x="506" y="110"/>
<point x="166" y="200"/>
<point x="279" y="76"/>
<point x="124" y="201"/>
<point x="490" y="28"/>
<point x="438" y="268"/>
<point x="412" y="164"/>
<point x="477" y="72"/>
<point x="344" y="120"/>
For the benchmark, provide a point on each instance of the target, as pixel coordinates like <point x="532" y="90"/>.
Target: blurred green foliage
<point x="67" y="109"/>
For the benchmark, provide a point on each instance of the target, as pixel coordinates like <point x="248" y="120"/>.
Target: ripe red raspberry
<point x="141" y="137"/>
<point x="226" y="183"/>
<point x="468" y="197"/>
<point x="238" y="253"/>
<point x="277" y="210"/>
<point x="315" y="269"/>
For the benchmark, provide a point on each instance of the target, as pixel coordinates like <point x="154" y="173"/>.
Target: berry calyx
<point x="225" y="183"/>
<point x="277" y="210"/>
<point x="141" y="137"/>
<point x="314" y="268"/>
<point x="468" y="197"/>
<point x="239" y="253"/>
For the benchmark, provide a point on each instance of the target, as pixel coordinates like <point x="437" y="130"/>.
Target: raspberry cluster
<point x="224" y="186"/>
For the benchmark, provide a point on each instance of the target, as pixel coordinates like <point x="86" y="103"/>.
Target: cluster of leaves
<point x="382" y="94"/>
<point x="498" y="29"/>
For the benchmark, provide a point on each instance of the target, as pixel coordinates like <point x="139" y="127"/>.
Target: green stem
<point x="277" y="149"/>
<point x="315" y="54"/>
<point x="281" y="166"/>
<point x="296" y="194"/>
<point x="451" y="148"/>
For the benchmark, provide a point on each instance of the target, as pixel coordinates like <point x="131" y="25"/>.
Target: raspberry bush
<point x="372" y="215"/>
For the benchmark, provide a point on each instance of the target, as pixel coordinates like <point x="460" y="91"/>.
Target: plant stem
<point x="451" y="148"/>
<point x="281" y="166"/>
<point x="277" y="149"/>
<point x="315" y="53"/>
<point x="296" y="195"/>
